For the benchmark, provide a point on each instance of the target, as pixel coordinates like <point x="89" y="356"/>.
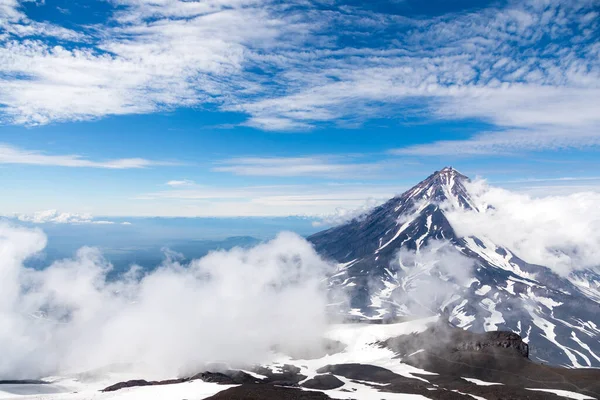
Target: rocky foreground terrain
<point x="419" y="359"/>
<point x="449" y="363"/>
<point x="491" y="365"/>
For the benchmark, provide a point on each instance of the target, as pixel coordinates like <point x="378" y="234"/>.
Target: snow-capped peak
<point x="554" y="315"/>
<point x="444" y="186"/>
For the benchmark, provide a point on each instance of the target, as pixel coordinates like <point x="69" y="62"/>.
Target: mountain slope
<point x="405" y="258"/>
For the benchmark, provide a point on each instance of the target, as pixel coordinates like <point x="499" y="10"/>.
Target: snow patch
<point x="491" y="323"/>
<point x="480" y="382"/>
<point x="482" y="291"/>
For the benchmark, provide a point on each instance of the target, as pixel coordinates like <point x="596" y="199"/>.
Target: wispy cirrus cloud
<point x="315" y="166"/>
<point x="180" y="183"/>
<point x="15" y="155"/>
<point x="15" y="23"/>
<point x="330" y="203"/>
<point x="525" y="66"/>
<point x="509" y="141"/>
<point x="529" y="68"/>
<point x="282" y="200"/>
<point x="158" y="55"/>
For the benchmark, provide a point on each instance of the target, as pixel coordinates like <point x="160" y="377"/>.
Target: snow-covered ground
<point x="75" y="388"/>
<point x="360" y="340"/>
<point x="361" y="347"/>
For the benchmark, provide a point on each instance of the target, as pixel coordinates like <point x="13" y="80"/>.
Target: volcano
<point x="404" y="258"/>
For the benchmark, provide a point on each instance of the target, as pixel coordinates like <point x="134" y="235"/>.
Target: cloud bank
<point x="230" y="306"/>
<point x="560" y="232"/>
<point x="58" y="217"/>
<point x="342" y="215"/>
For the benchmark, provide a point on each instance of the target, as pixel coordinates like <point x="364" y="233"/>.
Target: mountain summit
<point x="444" y="185"/>
<point x="404" y="258"/>
<point x="409" y="220"/>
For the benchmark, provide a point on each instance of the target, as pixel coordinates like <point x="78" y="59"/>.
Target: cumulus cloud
<point x="560" y="232"/>
<point x="230" y="306"/>
<point x="343" y="215"/>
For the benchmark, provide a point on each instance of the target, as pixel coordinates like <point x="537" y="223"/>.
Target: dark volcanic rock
<point x="456" y="391"/>
<point x="229" y="377"/>
<point x="444" y="338"/>
<point x="289" y="375"/>
<point x="493" y="357"/>
<point x="393" y="382"/>
<point x="496" y="358"/>
<point x="516" y="373"/>
<point x="141" y="382"/>
<point x="214" y="377"/>
<point x="267" y="392"/>
<point x="363" y="372"/>
<point x="495" y="339"/>
<point x="323" y="382"/>
<point x="22" y="382"/>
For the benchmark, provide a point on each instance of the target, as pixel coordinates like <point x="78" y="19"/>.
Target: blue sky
<point x="256" y="108"/>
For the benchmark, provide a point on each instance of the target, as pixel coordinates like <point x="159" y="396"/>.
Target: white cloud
<point x="230" y="306"/>
<point x="462" y="66"/>
<point x="54" y="216"/>
<point x="159" y="55"/>
<point x="13" y="21"/>
<point x="184" y="182"/>
<point x="343" y="215"/>
<point x="273" y="123"/>
<point x="509" y="141"/>
<point x="527" y="66"/>
<point x="561" y="232"/>
<point x="15" y="155"/>
<point x="57" y="217"/>
<point x="308" y="200"/>
<point x="439" y="267"/>
<point x="559" y="179"/>
<point x="318" y="166"/>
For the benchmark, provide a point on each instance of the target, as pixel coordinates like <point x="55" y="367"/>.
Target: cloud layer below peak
<point x="69" y="317"/>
